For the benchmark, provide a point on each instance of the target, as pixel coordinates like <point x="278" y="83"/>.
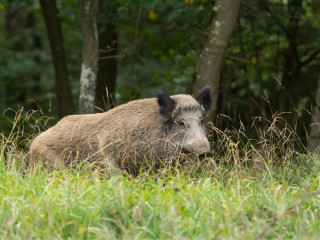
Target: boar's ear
<point x="166" y="103"/>
<point x="205" y="98"/>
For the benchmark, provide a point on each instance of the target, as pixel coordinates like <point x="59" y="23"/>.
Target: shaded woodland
<point x="262" y="58"/>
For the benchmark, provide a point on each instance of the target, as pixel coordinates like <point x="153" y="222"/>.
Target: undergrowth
<point x="233" y="195"/>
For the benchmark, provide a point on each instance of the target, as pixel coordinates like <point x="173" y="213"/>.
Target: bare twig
<point x="311" y="57"/>
<point x="114" y="56"/>
<point x="138" y="20"/>
<point x="282" y="214"/>
<point x="236" y="59"/>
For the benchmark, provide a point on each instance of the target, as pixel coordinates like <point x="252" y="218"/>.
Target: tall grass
<point x="233" y="195"/>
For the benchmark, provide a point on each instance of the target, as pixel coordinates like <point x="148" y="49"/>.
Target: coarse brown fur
<point x="122" y="138"/>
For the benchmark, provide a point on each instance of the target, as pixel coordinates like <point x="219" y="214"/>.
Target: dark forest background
<point x="268" y="68"/>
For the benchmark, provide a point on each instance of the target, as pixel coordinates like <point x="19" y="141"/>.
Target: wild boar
<point x="147" y="130"/>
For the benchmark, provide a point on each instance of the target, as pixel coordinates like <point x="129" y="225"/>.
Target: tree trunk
<point x="314" y="133"/>
<point x="214" y="43"/>
<point x="64" y="97"/>
<point x="89" y="68"/>
<point x="107" y="66"/>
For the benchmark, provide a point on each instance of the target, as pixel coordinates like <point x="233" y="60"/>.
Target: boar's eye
<point x="182" y="123"/>
<point x="201" y="121"/>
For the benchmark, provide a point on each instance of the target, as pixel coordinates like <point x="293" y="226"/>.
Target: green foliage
<point x="160" y="43"/>
<point x="23" y="60"/>
<point x="273" y="39"/>
<point x="160" y="52"/>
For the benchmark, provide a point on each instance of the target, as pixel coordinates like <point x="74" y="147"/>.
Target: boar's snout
<point x="201" y="147"/>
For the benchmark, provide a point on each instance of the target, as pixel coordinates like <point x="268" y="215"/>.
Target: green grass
<point x="234" y="202"/>
<point x="253" y="182"/>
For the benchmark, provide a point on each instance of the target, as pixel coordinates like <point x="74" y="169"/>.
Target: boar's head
<point x="184" y="120"/>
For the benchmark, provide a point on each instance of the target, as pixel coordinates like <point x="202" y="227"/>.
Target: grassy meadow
<point x="246" y="186"/>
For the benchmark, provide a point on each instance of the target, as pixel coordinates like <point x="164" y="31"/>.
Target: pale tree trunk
<point x="90" y="45"/>
<point x="314" y="133"/>
<point x="64" y="97"/>
<point x="214" y="43"/>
